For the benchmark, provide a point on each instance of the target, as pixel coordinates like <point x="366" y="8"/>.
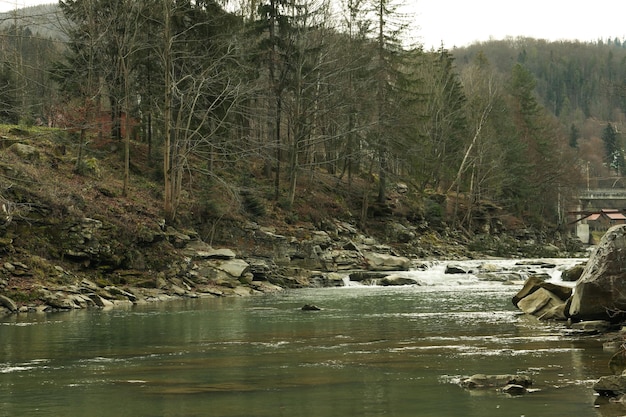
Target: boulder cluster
<point x="271" y="263"/>
<point x="599" y="293"/>
<point x="596" y="304"/>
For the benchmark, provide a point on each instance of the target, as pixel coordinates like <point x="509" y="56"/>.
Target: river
<point x="371" y="351"/>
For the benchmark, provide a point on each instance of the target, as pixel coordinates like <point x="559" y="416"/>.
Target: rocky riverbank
<point x="91" y="274"/>
<point x="72" y="240"/>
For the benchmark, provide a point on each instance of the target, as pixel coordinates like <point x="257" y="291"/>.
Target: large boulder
<point x="600" y="292"/>
<point x="385" y="262"/>
<point x="545" y="300"/>
<point x="393" y="280"/>
<point x="534" y="283"/>
<point x="611" y="385"/>
<point x="8" y="303"/>
<point x="543" y="304"/>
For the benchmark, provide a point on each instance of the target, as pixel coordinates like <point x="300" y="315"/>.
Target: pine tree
<point x="613" y="149"/>
<point x="574" y="135"/>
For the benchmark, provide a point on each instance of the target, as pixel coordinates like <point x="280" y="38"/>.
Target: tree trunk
<point x="167" y="116"/>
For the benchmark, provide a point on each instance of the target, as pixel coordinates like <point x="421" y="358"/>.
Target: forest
<point x="248" y="98"/>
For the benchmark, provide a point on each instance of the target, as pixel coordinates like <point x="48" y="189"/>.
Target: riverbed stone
<point x="557" y="312"/>
<point x="591" y="326"/>
<point x="222" y="253"/>
<point x="539" y="303"/>
<point x="572" y="274"/>
<point x="514" y="389"/>
<point x="611" y="385"/>
<point x="489" y="381"/>
<point x="384" y="262"/>
<point x="536" y="282"/>
<point x="8" y="303"/>
<point x="600" y="292"/>
<point x="456" y="269"/>
<point x="397" y="280"/>
<point x="99" y="301"/>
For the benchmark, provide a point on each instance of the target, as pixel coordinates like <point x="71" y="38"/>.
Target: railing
<point x="603" y="194"/>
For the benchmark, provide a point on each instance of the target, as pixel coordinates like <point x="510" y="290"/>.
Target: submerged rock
<point x="501" y="381"/>
<point x="611" y="385"/>
<point x="591" y="326"/>
<point x="514" y="389"/>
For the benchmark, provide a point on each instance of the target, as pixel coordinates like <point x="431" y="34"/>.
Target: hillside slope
<point x="61" y="229"/>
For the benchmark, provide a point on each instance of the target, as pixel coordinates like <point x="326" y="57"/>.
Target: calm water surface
<point x="371" y="351"/>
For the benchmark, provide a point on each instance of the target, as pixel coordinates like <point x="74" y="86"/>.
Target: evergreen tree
<point x="574" y="135"/>
<point x="388" y="64"/>
<point x="447" y="124"/>
<point x="613" y="149"/>
<point x="8" y="112"/>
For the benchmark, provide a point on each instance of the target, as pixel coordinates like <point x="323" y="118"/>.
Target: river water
<point x="371" y="351"/>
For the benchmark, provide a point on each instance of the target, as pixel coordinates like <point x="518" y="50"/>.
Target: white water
<point x="492" y="271"/>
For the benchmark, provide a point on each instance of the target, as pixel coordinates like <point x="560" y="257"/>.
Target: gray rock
<point x="499" y="276"/>
<point x="572" y="274"/>
<point x="88" y="285"/>
<point x="611" y="385"/>
<point x="233" y="267"/>
<point x="366" y="276"/>
<point x="226" y="254"/>
<point x="177" y="239"/>
<point x="60" y="301"/>
<point x="327" y="279"/>
<point x="591" y="326"/>
<point x="384" y="262"/>
<point x="456" y="269"/>
<point x="100" y="302"/>
<point x="514" y="389"/>
<point x="539" y="303"/>
<point x="8" y="303"/>
<point x="537" y="282"/>
<point x="489" y="381"/>
<point x="341" y="260"/>
<point x="600" y="292"/>
<point x="118" y="292"/>
<point x="556" y="312"/>
<point x="392" y="280"/>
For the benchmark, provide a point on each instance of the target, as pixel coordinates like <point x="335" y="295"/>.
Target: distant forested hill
<point x="43" y="20"/>
<point x="575" y="80"/>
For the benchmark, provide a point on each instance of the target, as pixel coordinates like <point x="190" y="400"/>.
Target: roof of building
<point x="611" y="214"/>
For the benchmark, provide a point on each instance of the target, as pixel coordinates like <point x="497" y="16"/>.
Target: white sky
<point x="460" y="22"/>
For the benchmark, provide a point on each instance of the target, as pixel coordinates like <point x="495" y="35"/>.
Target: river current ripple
<point x="370" y="351"/>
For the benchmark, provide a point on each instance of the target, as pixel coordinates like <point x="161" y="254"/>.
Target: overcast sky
<point x="460" y="22"/>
